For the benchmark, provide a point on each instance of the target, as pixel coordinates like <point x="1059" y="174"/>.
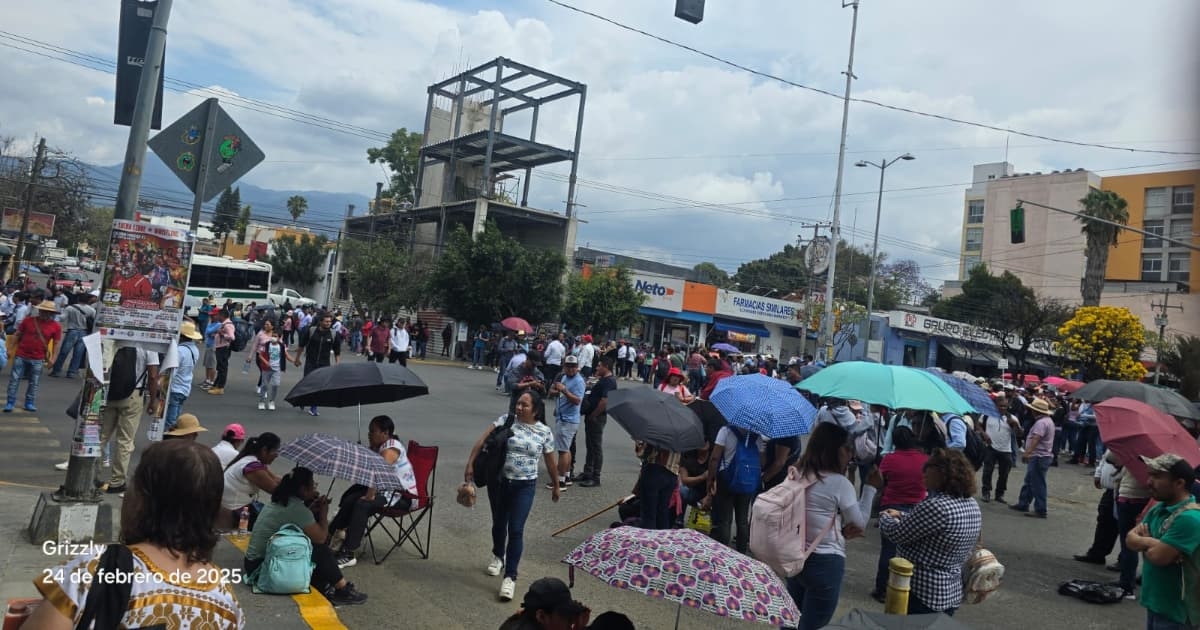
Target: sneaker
<point x="987" y="497"/>
<point x="312" y="411"/>
<point x="494" y="567"/>
<point x="107" y="462"/>
<point x="110" y="489"/>
<point x="589" y="483"/>
<point x="346" y="559"/>
<point x="346" y="596"/>
<point x="206" y="385"/>
<point x="568" y="483"/>
<point x="30" y="408"/>
<point x="271" y="405"/>
<point x="1088" y="559"/>
<point x="8" y="408"/>
<point x="262" y="405"/>
<point x="1128" y="594"/>
<point x="216" y="391"/>
<point x="550" y="486"/>
<point x="507" y="587"/>
<point x="63" y="466"/>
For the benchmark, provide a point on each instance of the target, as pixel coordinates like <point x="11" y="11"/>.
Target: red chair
<point x="407" y="521"/>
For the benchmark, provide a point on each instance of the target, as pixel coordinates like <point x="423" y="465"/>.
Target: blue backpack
<point x="743" y="475"/>
<point x="287" y="567"/>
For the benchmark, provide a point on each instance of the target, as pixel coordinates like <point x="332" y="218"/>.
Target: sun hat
<point x="187" y="424"/>
<point x="48" y="306"/>
<point x="1040" y="406"/>
<point x="188" y="329"/>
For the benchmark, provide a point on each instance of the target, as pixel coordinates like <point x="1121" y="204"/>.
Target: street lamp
<point x="882" y="166"/>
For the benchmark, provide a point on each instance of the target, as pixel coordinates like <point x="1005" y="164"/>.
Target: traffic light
<point x="1016" y="224"/>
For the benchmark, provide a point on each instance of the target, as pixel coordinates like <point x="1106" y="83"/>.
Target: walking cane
<point x="591" y="516"/>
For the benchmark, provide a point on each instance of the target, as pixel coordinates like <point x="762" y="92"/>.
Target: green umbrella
<point x="893" y="386"/>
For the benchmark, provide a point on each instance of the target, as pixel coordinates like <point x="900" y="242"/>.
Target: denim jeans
<point x="887" y="551"/>
<point x="477" y="355"/>
<point x="174" y="406"/>
<point x="816" y="589"/>
<point x="73" y="344"/>
<point x="655" y="488"/>
<point x="510" y="502"/>
<point x="1034" y="488"/>
<point x="1155" y="621"/>
<point x="22" y="368"/>
<point x="1127" y="513"/>
<point x="1072" y="431"/>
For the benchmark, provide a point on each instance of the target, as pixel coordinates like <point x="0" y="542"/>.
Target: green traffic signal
<point x="1016" y="222"/>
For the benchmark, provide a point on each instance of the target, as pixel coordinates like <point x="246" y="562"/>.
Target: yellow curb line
<point x="316" y="611"/>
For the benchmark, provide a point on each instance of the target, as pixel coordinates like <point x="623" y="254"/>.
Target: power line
<point x="865" y="101"/>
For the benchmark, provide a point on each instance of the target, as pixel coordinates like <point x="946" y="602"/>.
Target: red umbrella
<point x="1054" y="380"/>
<point x="1028" y="378"/>
<point x="1069" y="387"/>
<point x="1131" y="428"/>
<point x="516" y="323"/>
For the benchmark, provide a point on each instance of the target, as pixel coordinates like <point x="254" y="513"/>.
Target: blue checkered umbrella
<point x="331" y="456"/>
<point x="764" y="405"/>
<point x="972" y="393"/>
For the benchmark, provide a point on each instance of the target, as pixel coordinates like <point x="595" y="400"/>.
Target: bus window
<point x="256" y="279"/>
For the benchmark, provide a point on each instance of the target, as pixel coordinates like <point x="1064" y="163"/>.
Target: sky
<point x="664" y="128"/>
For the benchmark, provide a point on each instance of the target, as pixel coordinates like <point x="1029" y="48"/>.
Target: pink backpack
<point x="779" y="525"/>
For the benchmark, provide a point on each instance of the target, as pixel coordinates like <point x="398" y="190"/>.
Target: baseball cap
<point x="571" y="360"/>
<point x="552" y="595"/>
<point x="234" y="431"/>
<point x="1171" y="464"/>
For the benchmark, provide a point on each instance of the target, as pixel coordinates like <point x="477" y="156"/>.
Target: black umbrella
<point x="356" y="384"/>
<point x="1165" y="400"/>
<point x="656" y="418"/>
<point x="710" y="418"/>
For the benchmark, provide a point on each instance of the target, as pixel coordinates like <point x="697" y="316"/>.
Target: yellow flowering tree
<point x="1106" y="340"/>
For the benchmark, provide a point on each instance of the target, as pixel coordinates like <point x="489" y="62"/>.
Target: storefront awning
<point x="746" y="328"/>
<point x="962" y="352"/>
<point x="684" y="316"/>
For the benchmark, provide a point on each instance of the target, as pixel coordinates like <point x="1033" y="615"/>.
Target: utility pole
<point x="835" y="231"/>
<point x="1161" y="321"/>
<point x="816" y="228"/>
<point x="39" y="162"/>
<point x="337" y="254"/>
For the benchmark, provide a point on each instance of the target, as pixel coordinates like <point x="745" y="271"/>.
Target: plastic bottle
<point x="244" y="522"/>
<point x="17" y="611"/>
<point x="246" y="367"/>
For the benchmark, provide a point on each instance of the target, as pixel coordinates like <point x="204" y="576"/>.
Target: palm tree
<point x="296" y="205"/>
<point x="1107" y="205"/>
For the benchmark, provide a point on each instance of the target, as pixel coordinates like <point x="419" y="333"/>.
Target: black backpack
<point x="489" y="463"/>
<point x="662" y="369"/>
<point x="975" y="449"/>
<point x="242" y="332"/>
<point x="122" y="376"/>
<point x="90" y="320"/>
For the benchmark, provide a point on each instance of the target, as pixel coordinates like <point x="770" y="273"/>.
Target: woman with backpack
<point x="735" y="476"/>
<point x="833" y="514"/>
<point x="247" y="474"/>
<point x="674" y="386"/>
<point x="511" y="495"/>
<point x="938" y="534"/>
<point x="903" y="487"/>
<point x="296" y="501"/>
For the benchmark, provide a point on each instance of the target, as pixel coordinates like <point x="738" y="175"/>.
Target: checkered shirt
<point x="937" y="536"/>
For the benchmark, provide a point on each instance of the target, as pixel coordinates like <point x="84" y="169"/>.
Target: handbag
<point x="489" y="462"/>
<point x="982" y="574"/>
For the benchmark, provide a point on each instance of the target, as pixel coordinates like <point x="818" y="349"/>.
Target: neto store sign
<point x="757" y="308"/>
<point x="661" y="293"/>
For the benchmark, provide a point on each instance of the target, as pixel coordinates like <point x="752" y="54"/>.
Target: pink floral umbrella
<point x="689" y="568"/>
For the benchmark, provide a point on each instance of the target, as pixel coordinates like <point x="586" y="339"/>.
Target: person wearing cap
<point x="1169" y="540"/>
<point x="548" y="605"/>
<point x="33" y="336"/>
<point x="1038" y="453"/>
<point x="570" y="387"/>
<point x="587" y="356"/>
<point x="181" y="379"/>
<point x="187" y="427"/>
<point x="232" y="440"/>
<point x="78" y="319"/>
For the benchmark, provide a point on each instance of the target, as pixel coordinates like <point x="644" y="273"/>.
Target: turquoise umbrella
<point x="893" y="386"/>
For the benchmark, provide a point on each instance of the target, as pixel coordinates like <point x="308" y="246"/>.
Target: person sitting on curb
<point x="246" y="475"/>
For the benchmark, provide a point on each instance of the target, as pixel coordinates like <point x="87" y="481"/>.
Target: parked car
<point x="285" y="296"/>
<point x="70" y="280"/>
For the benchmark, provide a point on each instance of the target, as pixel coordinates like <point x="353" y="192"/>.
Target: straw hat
<point x="1040" y="407"/>
<point x="188" y="329"/>
<point x="48" y="306"/>
<point x="186" y="425"/>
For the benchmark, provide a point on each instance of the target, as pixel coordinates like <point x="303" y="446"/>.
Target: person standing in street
<point x="320" y="348"/>
<point x="447" y="335"/>
<point x="181" y="378"/>
<point x="587" y="356"/>
<point x="1105" y="535"/>
<point x="379" y="340"/>
<point x="400" y="343"/>
<point x="272" y="359"/>
<point x="134" y="371"/>
<point x="77" y="319"/>
<point x="570" y="388"/>
<point x="1038" y="453"/>
<point x="1169" y="540"/>
<point x="221" y="339"/>
<point x="33" y="336"/>
<point x="508" y="349"/>
<point x="998" y="435"/>
<point x="555" y="351"/>
<point x="594" y="418"/>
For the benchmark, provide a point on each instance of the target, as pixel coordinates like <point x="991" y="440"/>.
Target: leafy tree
<point x="902" y="282"/>
<point x="400" y="154"/>
<point x="225" y="217"/>
<point x="382" y="277"/>
<point x="603" y="302"/>
<point x="1106" y="340"/>
<point x="784" y="271"/>
<point x="1182" y="360"/>
<point x="491" y="276"/>
<point x="97" y="229"/>
<point x="243" y="223"/>
<point x="298" y="261"/>
<point x="712" y="274"/>
<point x="297" y="205"/>
<point x="1099" y="204"/>
<point x="64" y="189"/>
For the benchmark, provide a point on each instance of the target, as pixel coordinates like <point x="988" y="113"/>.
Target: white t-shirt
<point x="1000" y="434"/>
<point x="833" y="497"/>
<point x="554" y="352"/>
<point x="528" y="444"/>
<point x="225" y="453"/>
<point x="729" y="442"/>
<point x="404" y="469"/>
<point x="587" y="353"/>
<point x="238" y="489"/>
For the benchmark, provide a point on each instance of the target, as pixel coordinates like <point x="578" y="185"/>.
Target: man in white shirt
<point x="587" y="356"/>
<point x="998" y="434"/>
<point x="399" y="344"/>
<point x="555" y="351"/>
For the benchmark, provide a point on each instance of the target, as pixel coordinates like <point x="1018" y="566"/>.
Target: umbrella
<point x="1069" y="387"/>
<point x="710" y="418"/>
<point x="1157" y="397"/>
<point x="1054" y="381"/>
<point x="859" y="619"/>
<point x="331" y="456"/>
<point x="808" y="370"/>
<point x="764" y="405"/>
<point x="689" y="568"/>
<point x="893" y="386"/>
<point x="971" y="392"/>
<point x="656" y="418"/>
<point x="1131" y="428"/>
<point x="516" y="323"/>
<point x="348" y="384"/>
<point x="725" y="347"/>
<point x="1027" y="378"/>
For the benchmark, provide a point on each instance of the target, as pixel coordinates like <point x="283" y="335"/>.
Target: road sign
<point x="134" y="34"/>
<point x="227" y="155"/>
<point x="1002" y="364"/>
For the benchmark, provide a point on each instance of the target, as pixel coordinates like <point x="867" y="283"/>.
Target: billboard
<point x="145" y="277"/>
<point x="40" y="223"/>
<point x="661" y="292"/>
<point x="758" y="308"/>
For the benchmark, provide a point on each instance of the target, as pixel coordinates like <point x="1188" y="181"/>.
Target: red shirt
<point x="902" y="471"/>
<point x="30" y="345"/>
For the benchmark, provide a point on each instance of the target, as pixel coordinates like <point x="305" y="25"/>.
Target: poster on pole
<point x="145" y="276"/>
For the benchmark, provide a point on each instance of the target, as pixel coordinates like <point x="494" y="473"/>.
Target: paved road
<point x="450" y="590"/>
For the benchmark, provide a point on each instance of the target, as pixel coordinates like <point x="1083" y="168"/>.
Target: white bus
<point x="226" y="279"/>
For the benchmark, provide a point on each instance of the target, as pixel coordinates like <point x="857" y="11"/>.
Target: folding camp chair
<point x="407" y="521"/>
